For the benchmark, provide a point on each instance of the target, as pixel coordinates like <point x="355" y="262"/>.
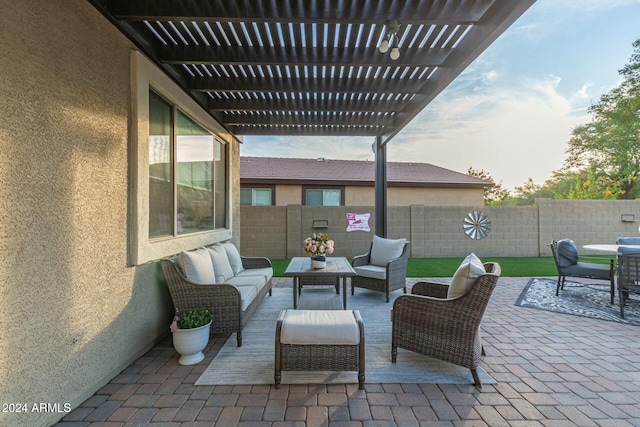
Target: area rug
<point x="579" y="299"/>
<point x="253" y="362"/>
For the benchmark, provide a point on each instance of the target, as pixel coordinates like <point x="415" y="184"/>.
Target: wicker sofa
<point x="230" y="286"/>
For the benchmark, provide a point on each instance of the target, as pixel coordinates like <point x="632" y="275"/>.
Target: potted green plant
<point x="191" y="334"/>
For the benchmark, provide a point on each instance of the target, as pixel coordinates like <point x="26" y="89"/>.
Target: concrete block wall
<point x="437" y="231"/>
<point x="263" y="231"/>
<point x="586" y="221"/>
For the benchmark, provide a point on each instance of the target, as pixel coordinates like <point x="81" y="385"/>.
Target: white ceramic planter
<point x="190" y="343"/>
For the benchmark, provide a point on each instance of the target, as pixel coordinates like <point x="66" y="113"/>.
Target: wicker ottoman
<point x="319" y="340"/>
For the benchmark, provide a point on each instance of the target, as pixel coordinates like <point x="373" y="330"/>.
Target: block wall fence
<point x="277" y="232"/>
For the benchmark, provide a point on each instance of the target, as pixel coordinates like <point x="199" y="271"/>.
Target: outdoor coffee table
<point x="336" y="267"/>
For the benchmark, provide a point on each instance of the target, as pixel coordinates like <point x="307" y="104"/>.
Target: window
<point x="256" y="197"/>
<point x="181" y="173"/>
<point x="323" y="196"/>
<point x="177" y="143"/>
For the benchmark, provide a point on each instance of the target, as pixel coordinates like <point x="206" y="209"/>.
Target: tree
<point x="608" y="148"/>
<point x="492" y="195"/>
<point x="529" y="191"/>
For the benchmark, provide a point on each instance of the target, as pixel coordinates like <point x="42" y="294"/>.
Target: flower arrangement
<point x="193" y="319"/>
<point x="318" y="244"/>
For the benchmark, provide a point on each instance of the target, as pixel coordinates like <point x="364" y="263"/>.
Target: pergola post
<point x="380" y="150"/>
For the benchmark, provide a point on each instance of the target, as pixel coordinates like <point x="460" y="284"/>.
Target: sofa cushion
<point x="257" y="282"/>
<point x="328" y="327"/>
<point x="567" y="253"/>
<point x="234" y="257"/>
<point x="266" y="272"/>
<point x="465" y="276"/>
<point x="220" y="263"/>
<point x="384" y="250"/>
<point x="247" y="295"/>
<point x="197" y="266"/>
<point x="372" y="271"/>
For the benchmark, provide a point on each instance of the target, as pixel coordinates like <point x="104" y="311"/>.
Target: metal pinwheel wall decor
<point x="476" y="225"/>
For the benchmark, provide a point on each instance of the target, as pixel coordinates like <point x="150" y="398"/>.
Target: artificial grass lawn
<point x="445" y="267"/>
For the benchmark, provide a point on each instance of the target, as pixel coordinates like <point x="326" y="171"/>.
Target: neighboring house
<point x="267" y="181"/>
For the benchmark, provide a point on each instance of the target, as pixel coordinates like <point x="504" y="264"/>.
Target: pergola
<point x="315" y="67"/>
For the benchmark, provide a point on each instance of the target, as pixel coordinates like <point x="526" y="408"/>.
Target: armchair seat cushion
<point x="371" y="271"/>
<point x="588" y="269"/>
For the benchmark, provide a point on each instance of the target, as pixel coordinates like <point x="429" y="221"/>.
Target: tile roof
<point x="271" y="170"/>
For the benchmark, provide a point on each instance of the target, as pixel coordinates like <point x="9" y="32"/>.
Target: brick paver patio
<point x="551" y="370"/>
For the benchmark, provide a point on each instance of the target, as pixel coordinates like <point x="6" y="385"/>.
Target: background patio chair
<point x="628" y="273"/>
<point x="628" y="241"/>
<point x="566" y="256"/>
<point x="383" y="268"/>
<point x="429" y="323"/>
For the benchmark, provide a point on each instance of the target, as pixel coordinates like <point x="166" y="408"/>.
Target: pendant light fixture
<point x="390" y="40"/>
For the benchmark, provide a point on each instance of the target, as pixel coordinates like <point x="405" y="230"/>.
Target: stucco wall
<point x="406" y="196"/>
<point x="437" y="231"/>
<point x="356" y="195"/>
<point x="74" y="315"/>
<point x="288" y="194"/>
<point x="361" y="195"/>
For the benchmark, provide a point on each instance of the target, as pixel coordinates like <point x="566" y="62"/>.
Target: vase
<point x="318" y="262"/>
<point x="190" y="343"/>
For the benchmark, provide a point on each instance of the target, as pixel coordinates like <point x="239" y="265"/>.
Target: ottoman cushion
<point x="320" y="327"/>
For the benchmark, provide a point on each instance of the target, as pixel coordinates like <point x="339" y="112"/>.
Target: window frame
<point x="322" y="187"/>
<point x="146" y="76"/>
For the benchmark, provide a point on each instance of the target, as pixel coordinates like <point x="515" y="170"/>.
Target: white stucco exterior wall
<point x="74" y="313"/>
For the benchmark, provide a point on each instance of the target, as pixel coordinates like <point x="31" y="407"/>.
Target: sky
<point x="512" y="111"/>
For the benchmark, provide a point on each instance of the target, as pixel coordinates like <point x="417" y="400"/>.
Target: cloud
<point x="309" y="147"/>
<point x="512" y="132"/>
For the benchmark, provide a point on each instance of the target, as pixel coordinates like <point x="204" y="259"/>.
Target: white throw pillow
<point x="220" y="262"/>
<point x="464" y="277"/>
<point x="384" y="250"/>
<point x="234" y="257"/>
<point x="197" y="266"/>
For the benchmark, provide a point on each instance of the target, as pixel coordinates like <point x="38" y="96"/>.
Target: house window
<point x="181" y="169"/>
<point x="256" y="197"/>
<point x="177" y="143"/>
<point x="323" y="196"/>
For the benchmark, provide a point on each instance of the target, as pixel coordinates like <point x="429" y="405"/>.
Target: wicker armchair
<point x="429" y="323"/>
<point x="628" y="273"/>
<point x="565" y="254"/>
<point x="223" y="301"/>
<point x="392" y="278"/>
